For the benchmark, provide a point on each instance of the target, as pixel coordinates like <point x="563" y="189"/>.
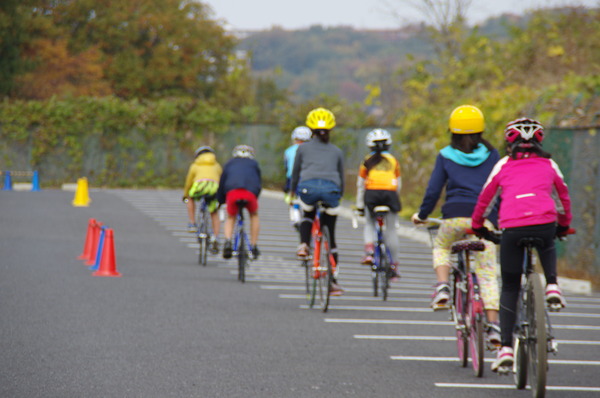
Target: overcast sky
<point x="361" y="14"/>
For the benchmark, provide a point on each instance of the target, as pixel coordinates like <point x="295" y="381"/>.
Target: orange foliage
<point x="60" y="73"/>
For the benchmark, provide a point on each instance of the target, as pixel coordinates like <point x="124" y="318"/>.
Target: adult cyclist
<point x="318" y="175"/>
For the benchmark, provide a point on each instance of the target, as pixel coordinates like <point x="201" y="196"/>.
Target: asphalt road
<point x="171" y="328"/>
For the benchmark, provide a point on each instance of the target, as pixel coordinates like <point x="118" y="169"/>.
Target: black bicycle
<point x="382" y="259"/>
<point x="533" y="332"/>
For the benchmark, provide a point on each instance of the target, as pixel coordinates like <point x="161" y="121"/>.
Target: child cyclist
<point x="318" y="175"/>
<point x="534" y="203"/>
<point x="462" y="168"/>
<point x="300" y="135"/>
<point x="241" y="179"/>
<point x="203" y="180"/>
<point x="378" y="184"/>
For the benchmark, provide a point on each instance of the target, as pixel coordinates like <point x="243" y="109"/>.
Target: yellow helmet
<point x="320" y="119"/>
<point x="466" y="119"/>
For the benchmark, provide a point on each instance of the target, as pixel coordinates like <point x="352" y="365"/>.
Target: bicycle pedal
<point x="553" y="347"/>
<point x="440" y="307"/>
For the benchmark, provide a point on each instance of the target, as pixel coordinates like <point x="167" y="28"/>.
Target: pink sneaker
<point x="554" y="297"/>
<point x="505" y="359"/>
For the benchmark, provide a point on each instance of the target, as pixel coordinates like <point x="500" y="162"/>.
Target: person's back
<point x="202" y="180"/>
<point x="534" y="198"/>
<point x="318" y="160"/>
<point x="241" y="180"/>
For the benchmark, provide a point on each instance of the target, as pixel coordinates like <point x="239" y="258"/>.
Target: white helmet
<point x="378" y="135"/>
<point x="243" y="151"/>
<point x="301" y="133"/>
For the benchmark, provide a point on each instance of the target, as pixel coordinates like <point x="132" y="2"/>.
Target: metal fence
<point x="577" y="152"/>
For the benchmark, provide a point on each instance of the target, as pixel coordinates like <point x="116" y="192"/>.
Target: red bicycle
<point x="320" y="267"/>
<point x="466" y="305"/>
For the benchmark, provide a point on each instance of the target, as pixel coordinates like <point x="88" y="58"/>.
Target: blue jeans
<point x="312" y="191"/>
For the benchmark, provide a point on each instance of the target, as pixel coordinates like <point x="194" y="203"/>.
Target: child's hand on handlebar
<point x="416" y="220"/>
<point x="486" y="234"/>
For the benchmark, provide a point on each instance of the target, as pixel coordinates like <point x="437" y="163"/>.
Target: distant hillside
<point x="338" y="60"/>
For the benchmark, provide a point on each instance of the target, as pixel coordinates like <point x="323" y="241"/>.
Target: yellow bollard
<point x="82" y="197"/>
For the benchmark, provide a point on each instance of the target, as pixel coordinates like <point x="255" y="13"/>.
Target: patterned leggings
<point x="486" y="266"/>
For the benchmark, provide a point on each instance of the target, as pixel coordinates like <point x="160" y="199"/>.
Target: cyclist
<point x="534" y="203"/>
<point x="378" y="184"/>
<point x="462" y="168"/>
<point x="203" y="179"/>
<point x="300" y="135"/>
<point x="318" y="175"/>
<point x="241" y="179"/>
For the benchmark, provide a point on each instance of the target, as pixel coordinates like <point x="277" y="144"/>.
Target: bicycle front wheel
<point x="458" y="313"/>
<point x="242" y="257"/>
<point x="520" y="366"/>
<point x="537" y="347"/>
<point x="476" y="340"/>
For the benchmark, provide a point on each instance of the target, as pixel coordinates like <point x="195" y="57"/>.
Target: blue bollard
<point x="35" y="182"/>
<point x="99" y="252"/>
<point x="7" y="182"/>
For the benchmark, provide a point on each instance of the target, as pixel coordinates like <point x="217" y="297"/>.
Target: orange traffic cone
<point x="88" y="245"/>
<point x="97" y="227"/>
<point x="108" y="263"/>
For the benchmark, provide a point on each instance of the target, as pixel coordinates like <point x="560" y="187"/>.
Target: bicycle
<point x="241" y="243"/>
<point x="204" y="231"/>
<point x="466" y="305"/>
<point x="320" y="266"/>
<point x="533" y="335"/>
<point x="381" y="270"/>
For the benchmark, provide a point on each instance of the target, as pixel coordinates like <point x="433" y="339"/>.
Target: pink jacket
<point x="532" y="192"/>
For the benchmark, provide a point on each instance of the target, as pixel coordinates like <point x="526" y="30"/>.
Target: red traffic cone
<point x="108" y="263"/>
<point x="97" y="227"/>
<point x="88" y="246"/>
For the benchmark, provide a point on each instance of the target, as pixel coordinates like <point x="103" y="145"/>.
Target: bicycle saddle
<point x="381" y="209"/>
<point x="531" y="241"/>
<point x="241" y="202"/>
<point x="468" y="244"/>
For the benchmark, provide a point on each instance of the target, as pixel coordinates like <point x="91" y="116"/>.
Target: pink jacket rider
<point x="532" y="190"/>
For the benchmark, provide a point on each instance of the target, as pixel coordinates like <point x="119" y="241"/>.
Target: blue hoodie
<point x="463" y="175"/>
<point x="240" y="173"/>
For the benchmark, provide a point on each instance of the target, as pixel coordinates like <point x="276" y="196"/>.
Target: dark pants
<point x="511" y="264"/>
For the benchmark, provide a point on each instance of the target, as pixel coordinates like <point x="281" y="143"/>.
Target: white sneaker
<point x="505" y="358"/>
<point x="493" y="335"/>
<point x="554" y="297"/>
<point x="440" y="296"/>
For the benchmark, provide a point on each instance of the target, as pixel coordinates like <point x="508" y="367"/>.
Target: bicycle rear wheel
<point x="384" y="272"/>
<point x="326" y="267"/>
<point x="203" y="250"/>
<point x="537" y="347"/>
<point x="520" y="361"/>
<point x="458" y="312"/>
<point x="242" y="256"/>
<point x="476" y="341"/>
<point x="202" y="221"/>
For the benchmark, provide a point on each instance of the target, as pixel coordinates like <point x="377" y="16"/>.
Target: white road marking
<point x="511" y="387"/>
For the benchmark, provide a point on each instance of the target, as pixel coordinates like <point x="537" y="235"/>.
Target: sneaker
<point x="440" y="296"/>
<point x="554" y="297"/>
<point x="255" y="252"/>
<point x="394" y="275"/>
<point x="192" y="228"/>
<point x="302" y="251"/>
<point x="336" y="290"/>
<point x="493" y="335"/>
<point x="505" y="359"/>
<point x="227" y="249"/>
<point x="367" y="259"/>
<point x="213" y="246"/>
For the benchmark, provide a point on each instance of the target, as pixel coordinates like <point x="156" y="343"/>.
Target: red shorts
<point x="237" y="194"/>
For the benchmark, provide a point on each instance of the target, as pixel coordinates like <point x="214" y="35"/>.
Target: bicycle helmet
<point x="378" y="135"/>
<point x="466" y="119"/>
<point x="243" y="151"/>
<point x="301" y="133"/>
<point x="203" y="149"/>
<point x="524" y="128"/>
<point x="320" y="119"/>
